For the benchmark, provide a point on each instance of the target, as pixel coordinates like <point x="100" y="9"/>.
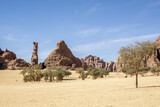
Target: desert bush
<point x="79" y="70"/>
<point x="103" y="72"/>
<point x="144" y="70"/>
<point x="94" y="72"/>
<point x="60" y="73"/>
<point x="30" y="75"/>
<point x="97" y="72"/>
<point x="46" y="75"/>
<point x="155" y="70"/>
<point x="128" y="71"/>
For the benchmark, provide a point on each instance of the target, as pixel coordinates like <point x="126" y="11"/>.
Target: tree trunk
<point x="50" y="78"/>
<point x="136" y="79"/>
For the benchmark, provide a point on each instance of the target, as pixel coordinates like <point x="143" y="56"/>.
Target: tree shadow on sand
<point x="150" y="86"/>
<point x="68" y="79"/>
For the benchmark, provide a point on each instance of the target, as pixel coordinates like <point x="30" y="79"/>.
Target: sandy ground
<point x="112" y="91"/>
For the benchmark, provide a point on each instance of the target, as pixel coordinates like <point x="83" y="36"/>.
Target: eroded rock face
<point x="110" y="66"/>
<point x="62" y="56"/>
<point x="2" y="63"/>
<point x="8" y="60"/>
<point x="94" y="61"/>
<point x="84" y="64"/>
<point x="8" y="56"/>
<point x="17" y="64"/>
<point x="34" y="58"/>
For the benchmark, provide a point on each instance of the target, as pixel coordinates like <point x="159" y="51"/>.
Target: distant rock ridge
<point x="94" y="61"/>
<point x="62" y="56"/>
<point x="8" y="60"/>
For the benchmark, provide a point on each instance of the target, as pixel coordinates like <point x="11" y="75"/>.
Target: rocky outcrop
<point x="8" y="56"/>
<point x="84" y="64"/>
<point x="94" y="61"/>
<point x="62" y="56"/>
<point x="34" y="58"/>
<point x="8" y="60"/>
<point x="17" y="64"/>
<point x="110" y="66"/>
<point x="3" y="65"/>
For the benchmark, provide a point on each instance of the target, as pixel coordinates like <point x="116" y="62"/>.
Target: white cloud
<point x="93" y="9"/>
<point x="9" y="37"/>
<point x="88" y="47"/>
<point x="88" y="32"/>
<point x="154" y="4"/>
<point x="44" y="54"/>
<point x="143" y="37"/>
<point x="103" y="44"/>
<point x="112" y="30"/>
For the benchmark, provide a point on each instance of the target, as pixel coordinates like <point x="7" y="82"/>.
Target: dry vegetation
<point x="111" y="91"/>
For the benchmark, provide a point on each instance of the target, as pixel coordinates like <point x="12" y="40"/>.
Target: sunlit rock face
<point x="62" y="56"/>
<point x="34" y="58"/>
<point x="8" y="60"/>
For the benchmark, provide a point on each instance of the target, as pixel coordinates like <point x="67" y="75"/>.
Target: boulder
<point x="62" y="56"/>
<point x="8" y="60"/>
<point x="17" y="64"/>
<point x="8" y="56"/>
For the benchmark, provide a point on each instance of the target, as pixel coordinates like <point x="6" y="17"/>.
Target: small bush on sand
<point x="30" y="75"/>
<point x="60" y="73"/>
<point x="144" y="70"/>
<point x="94" y="72"/>
<point x="155" y="70"/>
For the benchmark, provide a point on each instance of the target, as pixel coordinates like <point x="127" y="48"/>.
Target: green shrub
<point x="155" y="70"/>
<point x="93" y="72"/>
<point x="30" y="75"/>
<point x="144" y="70"/>
<point x="79" y="70"/>
<point x="60" y="73"/>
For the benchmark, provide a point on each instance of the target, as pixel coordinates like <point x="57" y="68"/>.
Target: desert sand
<point x="111" y="91"/>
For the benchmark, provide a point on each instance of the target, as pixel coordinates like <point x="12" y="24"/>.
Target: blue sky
<point x="97" y="27"/>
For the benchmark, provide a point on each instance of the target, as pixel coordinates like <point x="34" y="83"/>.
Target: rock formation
<point x="110" y="66"/>
<point x="62" y="56"/>
<point x="34" y="58"/>
<point x="8" y="60"/>
<point x="84" y="64"/>
<point x="17" y="64"/>
<point x="94" y="61"/>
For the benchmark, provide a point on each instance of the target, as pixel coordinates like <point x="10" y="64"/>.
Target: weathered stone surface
<point x="110" y="66"/>
<point x="8" y="60"/>
<point x="1" y="52"/>
<point x="8" y="56"/>
<point x="17" y="64"/>
<point x="62" y="56"/>
<point x="2" y="63"/>
<point x="84" y="64"/>
<point x="34" y="58"/>
<point x="118" y="64"/>
<point x="94" y="61"/>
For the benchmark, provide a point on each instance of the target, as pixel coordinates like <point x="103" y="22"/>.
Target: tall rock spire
<point x="34" y="58"/>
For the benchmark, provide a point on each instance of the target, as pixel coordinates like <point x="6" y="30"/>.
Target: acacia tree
<point x="133" y="55"/>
